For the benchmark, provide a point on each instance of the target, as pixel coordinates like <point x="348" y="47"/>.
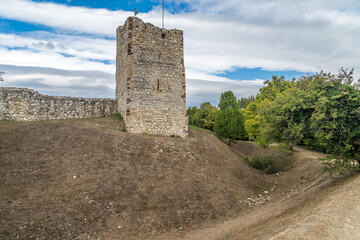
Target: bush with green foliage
<point x="269" y="163"/>
<point x="118" y="116"/>
<point x="320" y="111"/>
<point x="203" y="117"/>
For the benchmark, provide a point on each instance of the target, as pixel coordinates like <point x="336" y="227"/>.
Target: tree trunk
<point x="229" y="141"/>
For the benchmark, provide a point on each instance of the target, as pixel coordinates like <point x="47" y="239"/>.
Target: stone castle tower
<point x="150" y="79"/>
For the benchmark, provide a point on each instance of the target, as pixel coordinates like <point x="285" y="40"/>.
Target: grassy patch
<point x="7" y="122"/>
<point x="118" y="116"/>
<point x="269" y="163"/>
<point x="192" y="127"/>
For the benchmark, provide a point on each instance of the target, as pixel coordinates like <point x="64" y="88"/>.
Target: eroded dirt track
<point x="298" y="212"/>
<point x="336" y="215"/>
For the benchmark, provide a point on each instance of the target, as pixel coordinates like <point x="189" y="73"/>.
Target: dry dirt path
<point x="336" y="216"/>
<point x="319" y="208"/>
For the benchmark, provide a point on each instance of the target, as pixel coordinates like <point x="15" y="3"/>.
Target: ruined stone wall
<point x="150" y="78"/>
<point x="22" y="104"/>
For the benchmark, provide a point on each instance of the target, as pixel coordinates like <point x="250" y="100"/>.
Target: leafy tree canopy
<point x="320" y="111"/>
<point x="205" y="116"/>
<point x="190" y="112"/>
<point x="267" y="93"/>
<point x="244" y="102"/>
<point x="229" y="120"/>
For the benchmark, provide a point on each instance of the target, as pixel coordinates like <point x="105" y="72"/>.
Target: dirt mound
<point x="80" y="179"/>
<point x="76" y="179"/>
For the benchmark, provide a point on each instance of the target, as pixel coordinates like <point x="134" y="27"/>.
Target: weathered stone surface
<point x="150" y="78"/>
<point x="22" y="104"/>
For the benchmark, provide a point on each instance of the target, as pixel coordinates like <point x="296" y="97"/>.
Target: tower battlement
<point x="150" y="78"/>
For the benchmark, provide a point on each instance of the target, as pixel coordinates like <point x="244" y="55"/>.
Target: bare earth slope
<point x="80" y="179"/>
<point x="303" y="185"/>
<point x="333" y="215"/>
<point x="86" y="178"/>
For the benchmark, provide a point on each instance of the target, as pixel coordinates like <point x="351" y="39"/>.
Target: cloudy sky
<point x="67" y="47"/>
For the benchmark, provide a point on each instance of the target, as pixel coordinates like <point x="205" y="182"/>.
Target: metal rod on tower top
<point x="163" y="8"/>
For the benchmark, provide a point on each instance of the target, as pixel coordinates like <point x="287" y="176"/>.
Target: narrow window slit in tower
<point x="158" y="85"/>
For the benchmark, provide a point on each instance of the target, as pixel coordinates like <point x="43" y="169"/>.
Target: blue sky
<point x="144" y="6"/>
<point x="67" y="47"/>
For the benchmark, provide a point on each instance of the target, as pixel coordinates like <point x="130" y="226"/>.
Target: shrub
<point x="269" y="163"/>
<point x="118" y="116"/>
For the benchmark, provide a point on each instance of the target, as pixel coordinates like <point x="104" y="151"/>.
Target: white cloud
<point x="78" y="46"/>
<point x="200" y="90"/>
<point x="101" y="84"/>
<point x="49" y="59"/>
<point x="96" y="21"/>
<point x="88" y="83"/>
<point x="219" y="35"/>
<point x="273" y="35"/>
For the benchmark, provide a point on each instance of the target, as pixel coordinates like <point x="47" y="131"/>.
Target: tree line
<point x="320" y="111"/>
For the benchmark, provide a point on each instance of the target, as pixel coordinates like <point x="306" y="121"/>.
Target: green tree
<point x="285" y="119"/>
<point x="335" y="121"/>
<point x="190" y="112"/>
<point x="205" y="116"/>
<point x="252" y="119"/>
<point x="321" y="112"/>
<point x="244" y="102"/>
<point x="272" y="88"/>
<point x="229" y="120"/>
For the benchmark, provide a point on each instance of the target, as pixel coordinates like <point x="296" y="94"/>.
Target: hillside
<point x="78" y="179"/>
<point x="305" y="204"/>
